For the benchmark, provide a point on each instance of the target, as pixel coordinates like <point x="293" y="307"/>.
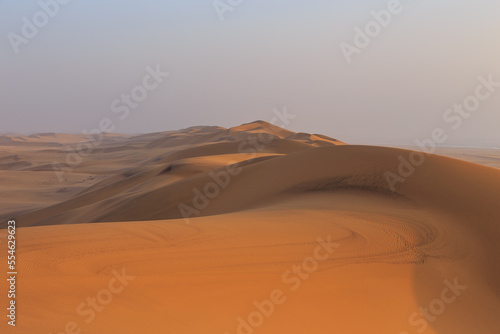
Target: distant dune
<point x="213" y="222"/>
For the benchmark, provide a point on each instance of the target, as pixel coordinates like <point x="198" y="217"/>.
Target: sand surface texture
<point x="252" y="229"/>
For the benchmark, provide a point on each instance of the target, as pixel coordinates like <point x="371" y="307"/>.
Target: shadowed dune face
<point x="209" y="223"/>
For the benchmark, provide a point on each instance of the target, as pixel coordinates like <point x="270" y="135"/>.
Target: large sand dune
<point x="253" y="229"/>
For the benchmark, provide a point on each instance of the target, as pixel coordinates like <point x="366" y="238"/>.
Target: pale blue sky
<point x="264" y="55"/>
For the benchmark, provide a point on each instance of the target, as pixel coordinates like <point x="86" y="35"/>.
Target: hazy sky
<point x="266" y="54"/>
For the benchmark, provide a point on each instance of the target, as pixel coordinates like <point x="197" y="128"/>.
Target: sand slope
<point x="396" y="253"/>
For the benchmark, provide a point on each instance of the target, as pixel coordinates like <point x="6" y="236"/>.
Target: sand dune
<point x="271" y="213"/>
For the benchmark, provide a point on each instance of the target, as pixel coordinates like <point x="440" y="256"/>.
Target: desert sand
<point x="252" y="229"/>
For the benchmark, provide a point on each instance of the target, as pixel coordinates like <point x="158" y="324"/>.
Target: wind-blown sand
<point x="391" y="255"/>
